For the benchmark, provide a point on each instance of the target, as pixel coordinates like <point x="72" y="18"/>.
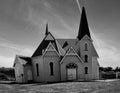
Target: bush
<point x="8" y="71"/>
<point x="109" y="75"/>
<point x="3" y="76"/>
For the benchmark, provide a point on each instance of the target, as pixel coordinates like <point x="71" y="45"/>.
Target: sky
<point x="23" y="22"/>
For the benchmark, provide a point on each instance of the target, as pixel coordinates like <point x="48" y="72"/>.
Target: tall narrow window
<point x="86" y="70"/>
<point x="37" y="69"/>
<point x="86" y="58"/>
<point x="86" y="47"/>
<point x="51" y="69"/>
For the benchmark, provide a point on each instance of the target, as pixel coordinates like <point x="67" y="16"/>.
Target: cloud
<point x="59" y="33"/>
<point x="36" y="20"/>
<point x="109" y="55"/>
<point x="20" y="49"/>
<point x="63" y="22"/>
<point x="6" y="61"/>
<point x="47" y="5"/>
<point x="62" y="26"/>
<point x="79" y="6"/>
<point x="27" y="51"/>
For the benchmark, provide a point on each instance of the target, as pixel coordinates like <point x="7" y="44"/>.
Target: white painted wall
<point x="18" y="73"/>
<point x="92" y="63"/>
<point x="51" y="56"/>
<point x="95" y="68"/>
<point x="38" y="60"/>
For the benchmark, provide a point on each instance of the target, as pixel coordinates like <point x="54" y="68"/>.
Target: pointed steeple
<point x="46" y="33"/>
<point x="83" y="28"/>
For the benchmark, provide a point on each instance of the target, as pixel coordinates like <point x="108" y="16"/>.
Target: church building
<point x="57" y="60"/>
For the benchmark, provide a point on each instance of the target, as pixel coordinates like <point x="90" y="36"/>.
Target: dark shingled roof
<point x="83" y="28"/>
<point x="43" y="45"/>
<point x="65" y="44"/>
<point x="27" y="59"/>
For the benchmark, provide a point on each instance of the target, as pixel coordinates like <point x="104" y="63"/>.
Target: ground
<point x="105" y="86"/>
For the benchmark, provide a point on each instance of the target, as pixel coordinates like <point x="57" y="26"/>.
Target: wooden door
<point x="71" y="73"/>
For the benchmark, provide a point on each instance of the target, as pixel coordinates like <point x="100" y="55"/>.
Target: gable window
<point x="86" y="58"/>
<point x="51" y="69"/>
<point x="86" y="47"/>
<point x="37" y="69"/>
<point x="86" y="70"/>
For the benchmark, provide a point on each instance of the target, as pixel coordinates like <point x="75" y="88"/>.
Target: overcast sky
<point x="22" y="26"/>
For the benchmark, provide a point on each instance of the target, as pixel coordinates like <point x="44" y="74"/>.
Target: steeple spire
<point x="83" y="28"/>
<point x="46" y="33"/>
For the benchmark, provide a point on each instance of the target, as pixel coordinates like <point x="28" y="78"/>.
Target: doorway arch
<point x="71" y="70"/>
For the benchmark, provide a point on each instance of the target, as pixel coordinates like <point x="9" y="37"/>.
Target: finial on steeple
<point x="46" y="33"/>
<point x="83" y="27"/>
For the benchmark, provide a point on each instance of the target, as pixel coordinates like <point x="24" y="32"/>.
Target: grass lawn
<point x="107" y="86"/>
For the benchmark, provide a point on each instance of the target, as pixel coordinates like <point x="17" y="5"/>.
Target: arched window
<point x="86" y="58"/>
<point x="51" y="69"/>
<point x="37" y="69"/>
<point x="86" y="70"/>
<point x="86" y="47"/>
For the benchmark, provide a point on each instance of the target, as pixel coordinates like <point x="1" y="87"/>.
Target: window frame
<point x="86" y="58"/>
<point x="86" y="47"/>
<point x="86" y="70"/>
<point x="37" y="69"/>
<point x="51" y="68"/>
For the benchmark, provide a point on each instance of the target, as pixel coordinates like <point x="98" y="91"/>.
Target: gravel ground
<point x="105" y="86"/>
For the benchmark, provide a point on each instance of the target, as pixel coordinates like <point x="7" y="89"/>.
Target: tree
<point x="106" y="69"/>
<point x="117" y="69"/>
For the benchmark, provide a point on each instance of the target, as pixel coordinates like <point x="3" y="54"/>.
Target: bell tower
<point x="84" y="37"/>
<point x="86" y="48"/>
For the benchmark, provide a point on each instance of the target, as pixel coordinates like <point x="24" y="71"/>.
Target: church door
<point x="29" y="75"/>
<point x="71" y="71"/>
